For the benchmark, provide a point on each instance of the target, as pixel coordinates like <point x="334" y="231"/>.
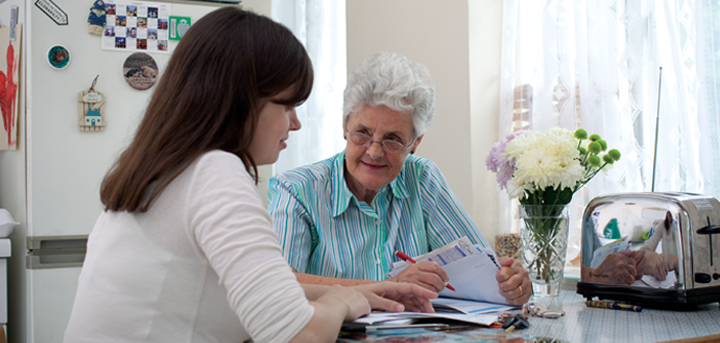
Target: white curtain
<point x="594" y="64"/>
<point x="320" y="26"/>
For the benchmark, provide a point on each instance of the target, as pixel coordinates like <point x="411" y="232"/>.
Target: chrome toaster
<point x="673" y="237"/>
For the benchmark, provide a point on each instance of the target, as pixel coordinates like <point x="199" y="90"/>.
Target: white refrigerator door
<point x="51" y="293"/>
<point x="65" y="166"/>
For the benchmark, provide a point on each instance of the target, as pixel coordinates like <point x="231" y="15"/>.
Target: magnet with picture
<point x="58" y="57"/>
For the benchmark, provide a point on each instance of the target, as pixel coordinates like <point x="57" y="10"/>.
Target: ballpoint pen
<point x="409" y="259"/>
<point x="612" y="305"/>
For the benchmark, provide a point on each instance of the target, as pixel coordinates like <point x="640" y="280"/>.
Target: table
<point x="584" y="324"/>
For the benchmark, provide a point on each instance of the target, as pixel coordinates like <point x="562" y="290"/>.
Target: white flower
<point x="547" y="160"/>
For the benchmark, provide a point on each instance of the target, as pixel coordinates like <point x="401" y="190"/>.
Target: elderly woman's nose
<point x="375" y="149"/>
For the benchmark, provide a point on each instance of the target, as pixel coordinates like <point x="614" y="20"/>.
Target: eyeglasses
<point x="391" y="146"/>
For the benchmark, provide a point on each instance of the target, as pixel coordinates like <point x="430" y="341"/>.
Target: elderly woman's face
<point x="371" y="168"/>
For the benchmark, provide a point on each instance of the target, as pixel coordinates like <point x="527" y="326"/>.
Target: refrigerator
<point x="51" y="182"/>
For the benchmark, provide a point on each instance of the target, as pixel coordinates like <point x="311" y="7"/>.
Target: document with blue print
<point x="471" y="270"/>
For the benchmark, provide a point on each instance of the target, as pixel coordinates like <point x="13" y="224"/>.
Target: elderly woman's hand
<point x="426" y="274"/>
<point x="513" y="281"/>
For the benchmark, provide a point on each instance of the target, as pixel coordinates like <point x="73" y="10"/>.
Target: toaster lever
<point x="709" y="230"/>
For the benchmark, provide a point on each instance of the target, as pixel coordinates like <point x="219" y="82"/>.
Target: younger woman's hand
<point x="397" y="297"/>
<point x="355" y="303"/>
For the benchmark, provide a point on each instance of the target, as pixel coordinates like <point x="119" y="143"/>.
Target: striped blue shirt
<point x="324" y="230"/>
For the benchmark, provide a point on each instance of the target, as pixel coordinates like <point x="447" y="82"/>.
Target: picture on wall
<point x="136" y="26"/>
<point x="9" y="88"/>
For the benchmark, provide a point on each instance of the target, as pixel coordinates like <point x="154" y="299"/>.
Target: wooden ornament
<point x="92" y="114"/>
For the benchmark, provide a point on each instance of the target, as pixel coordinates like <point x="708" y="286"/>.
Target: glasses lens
<point x="360" y="138"/>
<point x="393" y="146"/>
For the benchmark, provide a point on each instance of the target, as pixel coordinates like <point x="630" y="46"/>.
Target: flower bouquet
<point x="544" y="171"/>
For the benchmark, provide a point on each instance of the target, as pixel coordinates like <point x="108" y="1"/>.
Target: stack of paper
<point x="471" y="270"/>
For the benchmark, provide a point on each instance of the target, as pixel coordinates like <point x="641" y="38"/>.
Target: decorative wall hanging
<point x="92" y="109"/>
<point x="53" y="11"/>
<point x="96" y="18"/>
<point x="140" y="71"/>
<point x="58" y="56"/>
<point x="136" y="26"/>
<point x="9" y="86"/>
<point x="178" y="27"/>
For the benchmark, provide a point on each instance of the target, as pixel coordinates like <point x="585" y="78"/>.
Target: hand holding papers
<point x="471" y="270"/>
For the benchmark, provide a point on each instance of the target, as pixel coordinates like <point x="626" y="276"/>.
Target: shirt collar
<point x="341" y="194"/>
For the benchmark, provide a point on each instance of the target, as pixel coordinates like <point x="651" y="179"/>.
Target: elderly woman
<point x="341" y="220"/>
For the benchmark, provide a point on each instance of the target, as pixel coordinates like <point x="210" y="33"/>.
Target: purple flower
<point x="496" y="162"/>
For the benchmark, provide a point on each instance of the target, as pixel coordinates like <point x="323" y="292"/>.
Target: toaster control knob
<point x="702" y="278"/>
<point x="716" y="276"/>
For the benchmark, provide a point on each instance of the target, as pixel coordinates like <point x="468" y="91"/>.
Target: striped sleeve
<point x="291" y="223"/>
<point x="445" y="217"/>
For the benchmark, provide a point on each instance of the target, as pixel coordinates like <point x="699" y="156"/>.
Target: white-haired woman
<point x="341" y="220"/>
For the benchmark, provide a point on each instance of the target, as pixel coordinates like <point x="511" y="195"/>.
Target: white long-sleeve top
<point x="201" y="265"/>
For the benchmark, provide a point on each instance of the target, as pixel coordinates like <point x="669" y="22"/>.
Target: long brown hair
<point x="209" y="97"/>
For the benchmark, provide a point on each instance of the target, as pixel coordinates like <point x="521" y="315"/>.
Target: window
<point x="611" y="53"/>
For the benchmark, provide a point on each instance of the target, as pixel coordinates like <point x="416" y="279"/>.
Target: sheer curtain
<point x="595" y="64"/>
<point x="320" y="26"/>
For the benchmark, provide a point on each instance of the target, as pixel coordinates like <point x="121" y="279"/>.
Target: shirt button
<point x="377" y="261"/>
<point x="379" y="222"/>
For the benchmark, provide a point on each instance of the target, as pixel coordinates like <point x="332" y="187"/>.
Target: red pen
<point x="407" y="258"/>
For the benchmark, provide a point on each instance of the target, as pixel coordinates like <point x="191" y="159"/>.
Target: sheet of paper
<point x="469" y="306"/>
<point x="669" y="281"/>
<point x="473" y="278"/>
<point x="602" y="252"/>
<point x="482" y="319"/>
<point x="379" y="317"/>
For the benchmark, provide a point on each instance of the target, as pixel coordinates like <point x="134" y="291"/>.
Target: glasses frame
<point x="381" y="142"/>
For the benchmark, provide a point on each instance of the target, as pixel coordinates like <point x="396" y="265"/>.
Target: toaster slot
<point x="709" y="231"/>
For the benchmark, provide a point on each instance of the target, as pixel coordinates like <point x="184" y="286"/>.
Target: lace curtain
<point x="595" y="64"/>
<point x="320" y="26"/>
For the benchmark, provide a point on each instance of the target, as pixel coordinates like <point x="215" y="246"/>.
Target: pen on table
<point x="612" y="305"/>
<point x="409" y="259"/>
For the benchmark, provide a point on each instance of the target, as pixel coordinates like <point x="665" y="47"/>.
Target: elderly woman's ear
<point x="417" y="142"/>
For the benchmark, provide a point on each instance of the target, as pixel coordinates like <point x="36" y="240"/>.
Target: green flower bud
<point x="607" y="159"/>
<point x="614" y="154"/>
<point x="581" y="134"/>
<point x="582" y="150"/>
<point x="594" y="137"/>
<point x="603" y="143"/>
<point x="594" y="147"/>
<point x="594" y="160"/>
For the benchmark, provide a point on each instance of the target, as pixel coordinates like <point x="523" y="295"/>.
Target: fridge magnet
<point x="178" y="27"/>
<point x="92" y="105"/>
<point x="58" y="57"/>
<point x="53" y="11"/>
<point x="96" y="18"/>
<point x="9" y="91"/>
<point x="140" y="71"/>
<point x="136" y="26"/>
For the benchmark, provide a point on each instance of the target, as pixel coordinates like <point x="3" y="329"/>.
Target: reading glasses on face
<point x="391" y="146"/>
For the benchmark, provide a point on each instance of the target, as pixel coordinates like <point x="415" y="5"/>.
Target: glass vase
<point x="544" y="236"/>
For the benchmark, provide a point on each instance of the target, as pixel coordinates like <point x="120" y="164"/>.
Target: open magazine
<point x="471" y="269"/>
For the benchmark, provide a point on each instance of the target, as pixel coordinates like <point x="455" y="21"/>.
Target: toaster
<point x="672" y="238"/>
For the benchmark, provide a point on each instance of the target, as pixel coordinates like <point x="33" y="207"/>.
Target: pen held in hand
<point x="612" y="305"/>
<point x="409" y="259"/>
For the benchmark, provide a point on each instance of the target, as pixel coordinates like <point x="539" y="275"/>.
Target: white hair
<point x="388" y="79"/>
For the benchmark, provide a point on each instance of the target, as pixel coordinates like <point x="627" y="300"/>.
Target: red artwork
<point x="8" y="92"/>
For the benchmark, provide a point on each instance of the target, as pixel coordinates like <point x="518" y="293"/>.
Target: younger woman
<point x="184" y="251"/>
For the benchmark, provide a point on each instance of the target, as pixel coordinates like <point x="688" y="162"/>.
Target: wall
<point x="459" y="42"/>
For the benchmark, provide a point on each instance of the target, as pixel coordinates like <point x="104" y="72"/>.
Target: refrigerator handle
<point x="45" y="252"/>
